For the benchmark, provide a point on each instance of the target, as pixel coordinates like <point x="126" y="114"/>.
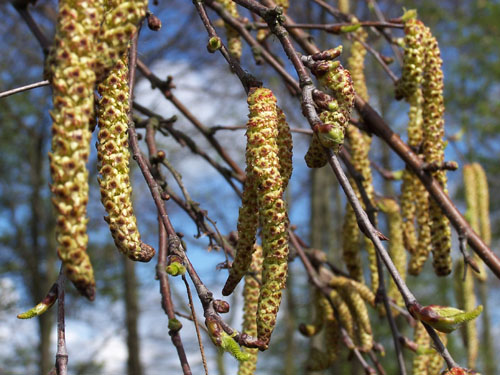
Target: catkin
<point x="472" y="183"/>
<point x="248" y="221"/>
<point x="466" y="299"/>
<point x="350" y="245"/>
<point x="234" y="45"/>
<point x="262" y="134"/>
<point x="396" y="247"/>
<point x="251" y="293"/>
<point x="483" y="198"/>
<point x="285" y="147"/>
<point x="73" y="79"/>
<point x="319" y="302"/>
<point x="421" y="358"/>
<point x="113" y="156"/>
<point x="357" y="307"/>
<point x="436" y="361"/>
<point x="119" y="25"/>
<point x="433" y="144"/>
<point x="322" y="359"/>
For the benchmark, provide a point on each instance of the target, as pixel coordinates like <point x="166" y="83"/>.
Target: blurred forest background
<point x="125" y="330"/>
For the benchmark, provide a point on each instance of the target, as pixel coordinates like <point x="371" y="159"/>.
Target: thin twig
<point x="24" y="88"/>
<point x="166" y="298"/>
<point x="378" y="126"/>
<point x="62" y="353"/>
<point x="193" y="314"/>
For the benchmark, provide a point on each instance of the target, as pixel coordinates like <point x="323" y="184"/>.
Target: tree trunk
<point x="134" y="366"/>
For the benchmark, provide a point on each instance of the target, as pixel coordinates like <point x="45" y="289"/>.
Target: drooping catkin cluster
<point x="251" y="294"/>
<point x="118" y="26"/>
<point x="427" y="361"/>
<point x="268" y="174"/>
<point x="349" y="299"/>
<point x="396" y="246"/>
<point x="113" y="156"/>
<point x="321" y="358"/>
<point x="422" y="71"/>
<point x="234" y="45"/>
<point x="335" y="113"/>
<point x="466" y="299"/>
<point x="360" y="143"/>
<point x="73" y="79"/>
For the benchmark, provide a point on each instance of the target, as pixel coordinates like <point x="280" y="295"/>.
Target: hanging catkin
<point x="433" y="144"/>
<point x="421" y="358"/>
<point x="234" y="45"/>
<point x="113" y="156"/>
<point x="73" y="60"/>
<point x="396" y="247"/>
<point x="251" y="293"/>
<point x="414" y="197"/>
<point x="466" y="298"/>
<point x="264" y="190"/>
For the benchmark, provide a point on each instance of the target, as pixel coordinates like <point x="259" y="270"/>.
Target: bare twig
<point x="62" y="353"/>
<point x="193" y="314"/>
<point x="24" y="88"/>
<point x="166" y="298"/>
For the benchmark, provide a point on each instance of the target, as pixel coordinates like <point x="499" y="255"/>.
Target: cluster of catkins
<point x="234" y="45"/>
<point x="421" y="85"/>
<point x="269" y="167"/>
<point x="349" y="299"/>
<point x="335" y="112"/>
<point x="91" y="36"/>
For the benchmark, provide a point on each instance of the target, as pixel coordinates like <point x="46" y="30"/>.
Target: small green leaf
<point x="443" y="318"/>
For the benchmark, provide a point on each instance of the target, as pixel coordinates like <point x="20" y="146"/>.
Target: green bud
<point x="350" y="28"/>
<point x="174" y="325"/>
<point x="214" y="44"/>
<point x="176" y="269"/>
<point x="228" y="344"/>
<point x="409" y="14"/>
<point x="443" y="318"/>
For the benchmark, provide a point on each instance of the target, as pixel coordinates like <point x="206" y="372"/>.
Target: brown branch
<point x="378" y="126"/>
<point x="334" y="28"/>
<point x="24" y="88"/>
<point x="166" y="298"/>
<point x="166" y="89"/>
<point x="62" y="353"/>
<point x="22" y="8"/>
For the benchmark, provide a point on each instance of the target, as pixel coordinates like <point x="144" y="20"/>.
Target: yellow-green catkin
<point x="316" y="156"/>
<point x="248" y="221"/>
<point x="319" y="302"/>
<point x="113" y="155"/>
<point x="359" y="312"/>
<point x="396" y="246"/>
<point x="483" y="198"/>
<point x="360" y="141"/>
<point x="285" y="147"/>
<point x="344" y="313"/>
<point x="436" y="361"/>
<point x="321" y="359"/>
<point x="251" y="293"/>
<point x="73" y="79"/>
<point x="119" y="25"/>
<point x="344" y="6"/>
<point x="344" y="282"/>
<point x="471" y="185"/>
<point x="421" y="358"/>
<point x="262" y="132"/>
<point x="234" y="44"/>
<point x="414" y="197"/>
<point x="433" y="144"/>
<point x="466" y="299"/>
<point x="351" y="246"/>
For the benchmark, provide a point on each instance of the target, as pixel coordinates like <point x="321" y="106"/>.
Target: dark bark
<point x="134" y="366"/>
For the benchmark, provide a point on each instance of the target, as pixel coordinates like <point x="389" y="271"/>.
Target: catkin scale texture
<point x="113" y="156"/>
<point x="262" y="132"/>
<point x="119" y="25"/>
<point x="234" y="45"/>
<point x="433" y="144"/>
<point x="72" y="76"/>
<point x="251" y="294"/>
